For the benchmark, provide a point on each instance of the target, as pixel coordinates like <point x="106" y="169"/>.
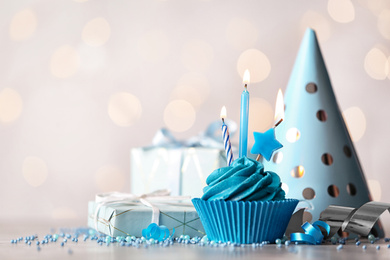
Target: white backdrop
<point x="82" y="82"/>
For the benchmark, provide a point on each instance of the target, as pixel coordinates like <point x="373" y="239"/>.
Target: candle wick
<point x="223" y="120"/>
<point x="246" y="85"/>
<point x="258" y="157"/>
<point x="278" y="123"/>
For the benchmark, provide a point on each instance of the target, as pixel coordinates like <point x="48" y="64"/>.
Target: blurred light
<point x="241" y="34"/>
<point x="11" y="105"/>
<point x="96" y="32"/>
<point x="375" y="189"/>
<point x="375" y="64"/>
<point x="341" y="11"/>
<point x="64" y="62"/>
<point x="197" y="55"/>
<point x="356" y="122"/>
<point x="376" y="6"/>
<point x="317" y="22"/>
<point x="261" y="116"/>
<point x="34" y="171"/>
<point x="110" y="178"/>
<point x="384" y="23"/>
<point x="179" y="115"/>
<point x="154" y="46"/>
<point x="192" y="87"/>
<point x="256" y="62"/>
<point x="124" y="109"/>
<point x="23" y="25"/>
<point x="64" y="213"/>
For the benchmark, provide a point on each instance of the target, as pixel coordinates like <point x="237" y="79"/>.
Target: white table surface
<point x="91" y="250"/>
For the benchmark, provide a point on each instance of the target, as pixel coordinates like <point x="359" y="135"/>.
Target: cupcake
<point x="244" y="204"/>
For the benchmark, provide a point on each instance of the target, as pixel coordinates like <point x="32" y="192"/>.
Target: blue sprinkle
<point x="38" y="248"/>
<point x="364" y="247"/>
<point x="358" y="243"/>
<point x="339" y="247"/>
<point x="388" y="246"/>
<point x="62" y="243"/>
<point x="37" y="243"/>
<point x="378" y="247"/>
<point x="387" y="239"/>
<point x="29" y="243"/>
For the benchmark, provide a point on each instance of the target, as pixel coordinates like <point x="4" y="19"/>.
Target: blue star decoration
<point x="265" y="144"/>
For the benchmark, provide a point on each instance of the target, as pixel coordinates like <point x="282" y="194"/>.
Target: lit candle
<point x="226" y="138"/>
<point x="244" y="116"/>
<point x="279" y="108"/>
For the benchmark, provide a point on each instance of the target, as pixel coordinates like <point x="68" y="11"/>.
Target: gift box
<point x="129" y="219"/>
<point x="183" y="170"/>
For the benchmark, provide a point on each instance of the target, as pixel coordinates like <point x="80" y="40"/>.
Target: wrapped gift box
<point x="183" y="170"/>
<point x="126" y="219"/>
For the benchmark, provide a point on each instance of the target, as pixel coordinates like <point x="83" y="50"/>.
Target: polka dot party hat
<point x="318" y="163"/>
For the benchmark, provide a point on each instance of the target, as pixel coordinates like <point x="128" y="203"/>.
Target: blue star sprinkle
<point x="265" y="144"/>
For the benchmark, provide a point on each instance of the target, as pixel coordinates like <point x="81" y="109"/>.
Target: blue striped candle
<point x="226" y="138"/>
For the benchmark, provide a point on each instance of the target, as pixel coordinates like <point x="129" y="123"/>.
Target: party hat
<point x="318" y="163"/>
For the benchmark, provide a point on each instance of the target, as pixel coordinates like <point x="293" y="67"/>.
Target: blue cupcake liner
<point x="245" y="222"/>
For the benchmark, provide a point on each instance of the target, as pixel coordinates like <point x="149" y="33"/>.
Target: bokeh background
<point x="84" y="81"/>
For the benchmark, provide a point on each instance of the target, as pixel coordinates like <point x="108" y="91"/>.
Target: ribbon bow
<point x="210" y="138"/>
<point x="149" y="200"/>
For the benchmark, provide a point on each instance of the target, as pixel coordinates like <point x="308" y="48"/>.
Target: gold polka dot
<point x="341" y="11"/>
<point x="197" y="55"/>
<point x="64" y="213"/>
<point x="124" y="109"/>
<point x="192" y="87"/>
<point x="11" y="105"/>
<point x="109" y="178"/>
<point x="64" y="62"/>
<point x="375" y="189"/>
<point x="356" y="122"/>
<point x="384" y="23"/>
<point x="179" y="115"/>
<point x="256" y="62"/>
<point x="376" y="64"/>
<point x="96" y="32"/>
<point x="34" y="171"/>
<point x="317" y="22"/>
<point x="154" y="46"/>
<point x="241" y="34"/>
<point x="23" y="25"/>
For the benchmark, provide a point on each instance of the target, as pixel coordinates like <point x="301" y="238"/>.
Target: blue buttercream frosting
<point x="244" y="180"/>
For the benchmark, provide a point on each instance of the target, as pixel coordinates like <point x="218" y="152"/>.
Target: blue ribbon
<point x="312" y="235"/>
<point x="157" y="232"/>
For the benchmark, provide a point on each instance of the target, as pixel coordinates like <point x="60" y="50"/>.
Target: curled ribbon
<point x="210" y="138"/>
<point x="157" y="232"/>
<point x="313" y="234"/>
<point x="354" y="220"/>
<point x="149" y="200"/>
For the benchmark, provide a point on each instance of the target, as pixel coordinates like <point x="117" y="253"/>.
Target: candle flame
<point x="247" y="77"/>
<point x="279" y="107"/>
<point x="223" y="112"/>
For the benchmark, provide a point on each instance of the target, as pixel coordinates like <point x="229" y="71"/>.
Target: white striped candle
<point x="226" y="138"/>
